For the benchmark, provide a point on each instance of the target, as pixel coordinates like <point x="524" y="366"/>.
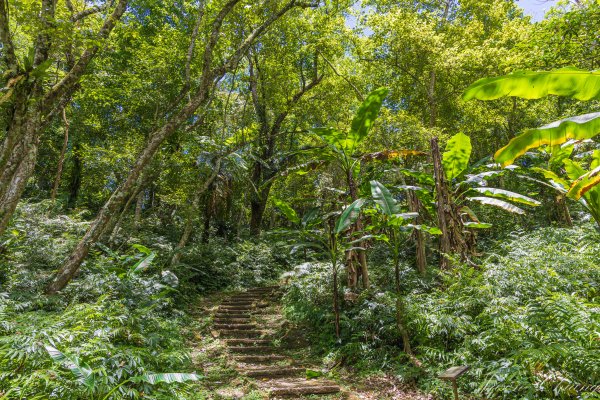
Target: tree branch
<point x="247" y="42"/>
<point x="66" y="85"/>
<point x="85" y="13"/>
<point x="8" y="48"/>
<point x="358" y="93"/>
<point x="295" y="99"/>
<point x="214" y="38"/>
<point x="42" y="41"/>
<point x="190" y="52"/>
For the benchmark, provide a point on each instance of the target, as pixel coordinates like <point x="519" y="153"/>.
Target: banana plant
<point x="469" y="184"/>
<point x="90" y="379"/>
<point x="327" y="235"/>
<point x="576" y="182"/>
<point x="341" y="149"/>
<point x="573" y="180"/>
<point x="393" y="227"/>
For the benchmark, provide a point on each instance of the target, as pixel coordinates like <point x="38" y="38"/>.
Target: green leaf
<point x="41" y="69"/>
<point x="397" y="220"/>
<point x="467" y="211"/>
<point x="432" y="230"/>
<point x="575" y="128"/>
<point x="332" y="136"/>
<point x="482" y="176"/>
<point x="498" y="203"/>
<point x="570" y="82"/>
<point x="477" y="225"/>
<point x="349" y="215"/>
<point x="144" y="263"/>
<point x="559" y="153"/>
<point x="595" y="159"/>
<point x="366" y="115"/>
<point x="552" y="176"/>
<point x="387" y="155"/>
<point x="82" y="372"/>
<point x="584" y="183"/>
<point x="153" y="379"/>
<point x="142" y="248"/>
<point x="507" y="195"/>
<point x="456" y="157"/>
<point x="310" y="217"/>
<point x="312" y="374"/>
<point x="287" y="210"/>
<point x="574" y="169"/>
<point x="383" y="198"/>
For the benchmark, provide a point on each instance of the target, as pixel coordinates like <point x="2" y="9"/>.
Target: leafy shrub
<point x="526" y="321"/>
<point x="110" y="334"/>
<point x="218" y="264"/>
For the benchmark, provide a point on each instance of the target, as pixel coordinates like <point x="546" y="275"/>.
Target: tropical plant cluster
<point x="422" y="178"/>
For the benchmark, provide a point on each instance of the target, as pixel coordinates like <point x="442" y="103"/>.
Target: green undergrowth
<point x="526" y="321"/>
<point x="122" y="323"/>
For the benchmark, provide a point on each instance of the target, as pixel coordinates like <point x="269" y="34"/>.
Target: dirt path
<point x="247" y="323"/>
<point x="252" y="353"/>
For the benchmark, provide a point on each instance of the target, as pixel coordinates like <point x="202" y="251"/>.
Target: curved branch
<point x="358" y="93"/>
<point x="67" y="83"/>
<point x="235" y="58"/>
<point x="8" y="48"/>
<point x="85" y="13"/>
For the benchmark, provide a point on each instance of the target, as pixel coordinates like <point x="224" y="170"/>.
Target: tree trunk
<point x="362" y="256"/>
<point x="336" y="302"/>
<point x="189" y="221"/>
<point x="61" y="158"/>
<point x="34" y="105"/>
<point x="562" y="208"/>
<point x="115" y="224"/>
<point x="185" y="237"/>
<point x="449" y="220"/>
<point x="139" y="205"/>
<point x="258" y="204"/>
<point x="16" y="183"/>
<point x="200" y="98"/>
<point x="75" y="183"/>
<point x="257" y="210"/>
<point x="421" y="259"/>
<point x="207" y="218"/>
<point x="352" y="273"/>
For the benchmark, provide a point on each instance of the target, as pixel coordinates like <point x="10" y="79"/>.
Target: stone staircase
<point x="245" y="322"/>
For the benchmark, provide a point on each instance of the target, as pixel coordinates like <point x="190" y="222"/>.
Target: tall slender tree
<point x="214" y="67"/>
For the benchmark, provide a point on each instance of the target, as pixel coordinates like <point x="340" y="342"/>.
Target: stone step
<point x="227" y="326"/>
<point x="273" y="372"/>
<point x="259" y="292"/>
<point x="227" y="320"/>
<point x="264" y="288"/>
<point x="238" y="308"/>
<point x="221" y="314"/>
<point x="240" y="333"/>
<point x="247" y="342"/>
<point x="261" y="359"/>
<point x="238" y="303"/>
<point x="299" y="387"/>
<point x="247" y="313"/>
<point x="235" y="311"/>
<point x="251" y="349"/>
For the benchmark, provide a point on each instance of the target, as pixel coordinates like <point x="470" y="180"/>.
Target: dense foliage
<point x="423" y="177"/>
<point x="524" y="321"/>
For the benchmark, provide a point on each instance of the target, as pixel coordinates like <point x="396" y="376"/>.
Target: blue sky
<point x="536" y="8"/>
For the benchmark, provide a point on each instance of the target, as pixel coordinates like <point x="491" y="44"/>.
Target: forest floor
<point x="247" y="350"/>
